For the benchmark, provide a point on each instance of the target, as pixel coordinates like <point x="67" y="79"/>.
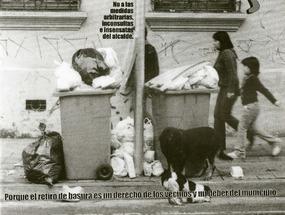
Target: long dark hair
<point x="224" y="39"/>
<point x="252" y="63"/>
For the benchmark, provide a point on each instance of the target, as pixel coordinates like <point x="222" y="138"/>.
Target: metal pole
<point x="139" y="75"/>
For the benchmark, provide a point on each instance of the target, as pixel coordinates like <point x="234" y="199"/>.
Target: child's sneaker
<point x="276" y="149"/>
<point x="236" y="154"/>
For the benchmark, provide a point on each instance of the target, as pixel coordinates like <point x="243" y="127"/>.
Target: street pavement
<point x="262" y="173"/>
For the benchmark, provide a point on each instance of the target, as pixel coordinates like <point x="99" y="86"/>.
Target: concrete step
<point x="225" y="206"/>
<point x="145" y="188"/>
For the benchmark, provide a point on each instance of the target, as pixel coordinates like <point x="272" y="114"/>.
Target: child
<point x="251" y="84"/>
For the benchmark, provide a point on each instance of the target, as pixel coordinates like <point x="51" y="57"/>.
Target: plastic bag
<point x="118" y="165"/>
<point x="130" y="165"/>
<point x="71" y="192"/>
<point x="115" y="143"/>
<point x="67" y="77"/>
<point x="148" y="135"/>
<point x="128" y="147"/>
<point x="112" y="61"/>
<point x="157" y="168"/>
<point x="149" y="156"/>
<point x="178" y="83"/>
<point x="43" y="160"/>
<point x="211" y="79"/>
<point x="103" y="82"/>
<point x="195" y="78"/>
<point x="127" y="123"/>
<point x="147" y="169"/>
<point x="119" y="153"/>
<point x="125" y="130"/>
<point x="126" y="135"/>
<point x="89" y="63"/>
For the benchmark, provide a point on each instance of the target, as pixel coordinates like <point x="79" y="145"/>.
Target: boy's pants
<point x="247" y="122"/>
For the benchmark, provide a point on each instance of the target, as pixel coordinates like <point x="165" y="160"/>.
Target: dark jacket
<point x="226" y="67"/>
<point x="250" y="85"/>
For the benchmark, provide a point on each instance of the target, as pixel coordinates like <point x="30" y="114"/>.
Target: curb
<point x="261" y="188"/>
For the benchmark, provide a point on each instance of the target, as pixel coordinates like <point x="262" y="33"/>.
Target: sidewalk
<point x="261" y="171"/>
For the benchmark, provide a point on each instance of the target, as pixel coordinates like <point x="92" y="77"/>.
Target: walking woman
<point x="250" y="86"/>
<point x="226" y="66"/>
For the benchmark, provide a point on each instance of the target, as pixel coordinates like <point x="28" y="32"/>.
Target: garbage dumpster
<point x="86" y="131"/>
<point x="182" y="109"/>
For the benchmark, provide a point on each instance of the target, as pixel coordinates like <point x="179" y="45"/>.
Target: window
<point x="46" y="15"/>
<point x="215" y="6"/>
<point x="39" y="5"/>
<point x="36" y="105"/>
<point x="195" y="15"/>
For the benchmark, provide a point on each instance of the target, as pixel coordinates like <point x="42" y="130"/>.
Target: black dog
<point x="176" y="181"/>
<point x="200" y="144"/>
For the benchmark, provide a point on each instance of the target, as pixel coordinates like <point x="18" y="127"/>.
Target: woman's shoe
<point x="236" y="154"/>
<point x="223" y="156"/>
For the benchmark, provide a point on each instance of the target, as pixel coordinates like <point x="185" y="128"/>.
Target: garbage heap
<point x="122" y="145"/>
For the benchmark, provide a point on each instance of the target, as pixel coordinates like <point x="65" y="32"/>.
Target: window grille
<point x="215" y="6"/>
<point x="40" y="5"/>
<point x="36" y="105"/>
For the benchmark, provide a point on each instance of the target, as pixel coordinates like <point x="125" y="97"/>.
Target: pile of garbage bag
<point x="123" y="148"/>
<point x="43" y="160"/>
<point x="199" y="75"/>
<point x="90" y="69"/>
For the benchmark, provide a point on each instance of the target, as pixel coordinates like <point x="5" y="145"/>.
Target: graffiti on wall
<point x="12" y="47"/>
<point x="270" y="48"/>
<point x="181" y="47"/>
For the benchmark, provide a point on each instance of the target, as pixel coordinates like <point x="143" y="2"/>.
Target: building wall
<point x="261" y="35"/>
<point x="27" y="67"/>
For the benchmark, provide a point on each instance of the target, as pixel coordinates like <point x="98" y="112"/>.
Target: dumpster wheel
<point x="104" y="172"/>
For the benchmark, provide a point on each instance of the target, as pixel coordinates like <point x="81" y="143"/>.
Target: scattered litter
<point x="236" y="172"/>
<point x="72" y="194"/>
<point x="11" y="172"/>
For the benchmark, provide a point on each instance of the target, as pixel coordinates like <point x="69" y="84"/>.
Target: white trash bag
<point x="127" y="123"/>
<point x="115" y="143"/>
<point x="118" y="165"/>
<point x="148" y="135"/>
<point x="149" y="156"/>
<point x="157" y="168"/>
<point x="73" y="192"/>
<point x="119" y="153"/>
<point x="211" y="79"/>
<point x="103" y="82"/>
<point x="130" y="166"/>
<point x="126" y="135"/>
<point x="67" y="77"/>
<point x="128" y="147"/>
<point x="147" y="169"/>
